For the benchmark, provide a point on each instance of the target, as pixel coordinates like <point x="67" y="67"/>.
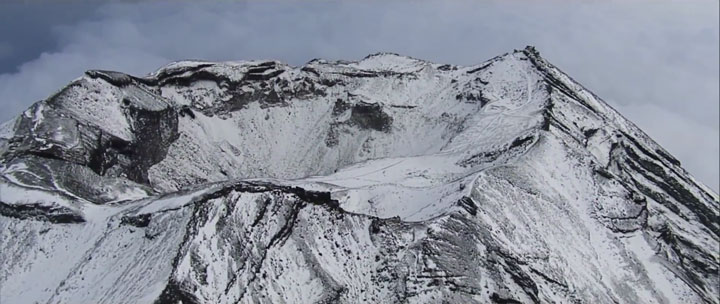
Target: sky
<point x="656" y="61"/>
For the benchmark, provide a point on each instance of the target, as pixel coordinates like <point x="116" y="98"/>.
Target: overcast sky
<point x="654" y="61"/>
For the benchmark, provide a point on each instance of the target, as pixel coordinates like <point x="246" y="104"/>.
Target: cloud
<point x="5" y="50"/>
<point x="656" y="60"/>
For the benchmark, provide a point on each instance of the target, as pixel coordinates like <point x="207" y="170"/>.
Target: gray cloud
<point x="655" y="61"/>
<point x="5" y="50"/>
<point x="26" y="29"/>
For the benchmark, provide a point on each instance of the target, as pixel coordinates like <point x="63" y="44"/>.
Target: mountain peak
<point x="356" y="181"/>
<point x="384" y="54"/>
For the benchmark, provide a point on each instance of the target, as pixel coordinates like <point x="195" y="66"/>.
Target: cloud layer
<point x="655" y="61"/>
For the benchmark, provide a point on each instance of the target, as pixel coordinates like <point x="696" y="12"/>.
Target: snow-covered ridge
<point x="388" y="179"/>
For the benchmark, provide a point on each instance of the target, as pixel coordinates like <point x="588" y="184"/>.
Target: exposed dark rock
<point x="199" y="75"/>
<point x="260" y="75"/>
<point x="517" y="144"/>
<point x="668" y="157"/>
<point x="187" y="111"/>
<point x="512" y="266"/>
<point x="496" y="298"/>
<point x="141" y="221"/>
<point x="340" y="107"/>
<point x="590" y="132"/>
<point x="184" y="69"/>
<point x="53" y="214"/>
<point x="447" y="67"/>
<point x="114" y="78"/>
<point x="370" y="116"/>
<point x="154" y="132"/>
<point x="310" y="70"/>
<point x="473" y="97"/>
<point x="475" y="70"/>
<point x="672" y="187"/>
<point x="363" y="74"/>
<point x="403" y="106"/>
<point x="604" y="173"/>
<point x="175" y="293"/>
<point x="469" y="205"/>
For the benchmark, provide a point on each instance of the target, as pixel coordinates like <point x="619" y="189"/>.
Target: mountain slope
<point x="389" y="179"/>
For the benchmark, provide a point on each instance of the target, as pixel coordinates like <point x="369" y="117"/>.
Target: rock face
<point x="386" y="180"/>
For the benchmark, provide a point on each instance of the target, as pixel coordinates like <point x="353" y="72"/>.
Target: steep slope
<point x="389" y="179"/>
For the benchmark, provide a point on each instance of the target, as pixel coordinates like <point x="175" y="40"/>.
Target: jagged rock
<point x="386" y="180"/>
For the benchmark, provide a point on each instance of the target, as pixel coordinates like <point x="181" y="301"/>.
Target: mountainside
<point x="384" y="180"/>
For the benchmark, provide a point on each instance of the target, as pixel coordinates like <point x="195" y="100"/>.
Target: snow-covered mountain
<point x="384" y="180"/>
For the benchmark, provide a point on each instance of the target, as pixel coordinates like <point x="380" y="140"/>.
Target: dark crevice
<point x="261" y="212"/>
<point x="549" y="279"/>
